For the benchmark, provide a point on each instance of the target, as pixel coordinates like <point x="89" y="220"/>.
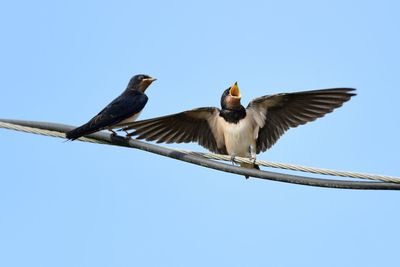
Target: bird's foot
<point x="128" y="135"/>
<point x="253" y="158"/>
<point x="113" y="133"/>
<point x="253" y="154"/>
<point x="233" y="159"/>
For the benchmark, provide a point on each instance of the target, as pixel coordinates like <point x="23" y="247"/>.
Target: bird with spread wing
<point x="238" y="131"/>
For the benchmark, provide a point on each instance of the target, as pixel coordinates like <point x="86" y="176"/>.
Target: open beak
<point x="234" y="91"/>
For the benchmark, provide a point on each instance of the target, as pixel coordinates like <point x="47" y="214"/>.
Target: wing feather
<point x="121" y="108"/>
<point x="197" y="125"/>
<point x="275" y="114"/>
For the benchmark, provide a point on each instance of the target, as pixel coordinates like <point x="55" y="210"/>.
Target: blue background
<point x="80" y="204"/>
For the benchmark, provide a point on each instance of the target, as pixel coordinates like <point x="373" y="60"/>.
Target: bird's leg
<point x="233" y="159"/>
<point x="253" y="154"/>
<point x="128" y="135"/>
<point x="113" y="133"/>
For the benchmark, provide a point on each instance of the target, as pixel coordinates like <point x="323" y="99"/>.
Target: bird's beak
<point x="234" y="91"/>
<point x="149" y="80"/>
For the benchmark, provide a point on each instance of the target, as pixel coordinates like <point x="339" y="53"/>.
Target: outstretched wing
<point x="197" y="125"/>
<point x="275" y="114"/>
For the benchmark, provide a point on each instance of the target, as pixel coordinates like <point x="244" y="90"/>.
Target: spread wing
<point x="197" y="125"/>
<point x="275" y="114"/>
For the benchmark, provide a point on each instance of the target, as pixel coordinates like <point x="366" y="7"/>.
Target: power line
<point x="59" y="130"/>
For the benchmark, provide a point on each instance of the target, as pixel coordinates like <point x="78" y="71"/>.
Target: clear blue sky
<point x="80" y="204"/>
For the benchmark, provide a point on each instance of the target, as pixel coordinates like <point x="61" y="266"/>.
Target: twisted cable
<point x="208" y="159"/>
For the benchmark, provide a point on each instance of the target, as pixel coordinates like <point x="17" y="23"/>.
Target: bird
<point x="238" y="131"/>
<point x="123" y="109"/>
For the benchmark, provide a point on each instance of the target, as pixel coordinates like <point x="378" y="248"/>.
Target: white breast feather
<point x="238" y="137"/>
<point x="130" y="119"/>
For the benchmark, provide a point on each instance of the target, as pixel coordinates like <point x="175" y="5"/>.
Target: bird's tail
<point x="80" y="131"/>
<point x="250" y="166"/>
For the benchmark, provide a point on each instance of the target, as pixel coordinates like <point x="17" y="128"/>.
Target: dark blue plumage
<point x="125" y="108"/>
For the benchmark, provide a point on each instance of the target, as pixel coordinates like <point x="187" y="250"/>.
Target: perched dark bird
<point x="124" y="109"/>
<point x="239" y="131"/>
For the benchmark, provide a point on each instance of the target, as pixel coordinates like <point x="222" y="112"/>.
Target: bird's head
<point x="140" y="82"/>
<point x="230" y="98"/>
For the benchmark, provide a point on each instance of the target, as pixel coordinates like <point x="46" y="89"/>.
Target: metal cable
<point x="207" y="159"/>
<point x="293" y="167"/>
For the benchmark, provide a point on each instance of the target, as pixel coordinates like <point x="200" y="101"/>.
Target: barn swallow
<point x="123" y="109"/>
<point x="238" y="131"/>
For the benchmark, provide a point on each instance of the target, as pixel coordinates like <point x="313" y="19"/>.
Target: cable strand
<point x="208" y="159"/>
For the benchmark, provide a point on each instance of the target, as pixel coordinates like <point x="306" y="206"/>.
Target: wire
<point x="202" y="159"/>
<point x="292" y="167"/>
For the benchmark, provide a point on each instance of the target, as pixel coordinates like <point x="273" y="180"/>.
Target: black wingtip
<point x="348" y="90"/>
<point x="351" y="91"/>
<point x="72" y="135"/>
<point x="78" y="132"/>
